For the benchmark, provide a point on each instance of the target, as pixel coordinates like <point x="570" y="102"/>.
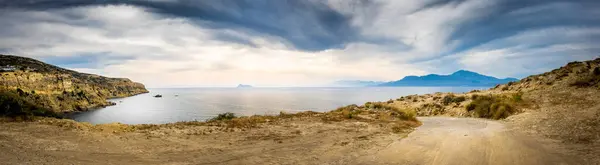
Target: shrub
<point x="377" y="105"/>
<point x="404" y="114"/>
<point x="492" y="107"/>
<point x="224" y="116"/>
<point x="588" y="80"/>
<point x="431" y="109"/>
<point x="390" y="101"/>
<point x="517" y="96"/>
<point x="459" y="99"/>
<point x="452" y="99"/>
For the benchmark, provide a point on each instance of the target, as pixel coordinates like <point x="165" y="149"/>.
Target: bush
<point x="224" y="116"/>
<point x="452" y="99"/>
<point x="492" y="107"/>
<point x="459" y="99"/>
<point x="517" y="96"/>
<point x="588" y="80"/>
<point x="431" y="109"/>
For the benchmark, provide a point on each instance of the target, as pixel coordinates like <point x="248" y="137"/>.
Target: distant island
<point x="458" y="78"/>
<point x="244" y="86"/>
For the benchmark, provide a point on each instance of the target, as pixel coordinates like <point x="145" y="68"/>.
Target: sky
<point x="201" y="43"/>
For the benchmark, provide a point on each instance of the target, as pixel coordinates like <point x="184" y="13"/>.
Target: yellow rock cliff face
<point x="59" y="89"/>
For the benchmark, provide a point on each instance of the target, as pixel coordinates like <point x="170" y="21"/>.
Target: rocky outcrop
<point x="61" y="90"/>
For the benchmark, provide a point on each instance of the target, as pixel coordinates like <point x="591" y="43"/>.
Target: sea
<point x="200" y="104"/>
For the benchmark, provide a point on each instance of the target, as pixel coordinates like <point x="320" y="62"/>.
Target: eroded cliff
<point x="58" y="89"/>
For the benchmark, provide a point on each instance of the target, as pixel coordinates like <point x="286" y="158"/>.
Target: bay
<point x="200" y="104"/>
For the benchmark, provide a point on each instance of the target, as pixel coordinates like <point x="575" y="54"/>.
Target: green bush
<point x="517" y="96"/>
<point x="452" y="99"/>
<point x="224" y="116"/>
<point x="492" y="107"/>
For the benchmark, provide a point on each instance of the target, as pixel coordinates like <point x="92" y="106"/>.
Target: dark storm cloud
<point x="308" y="25"/>
<point x="510" y="17"/>
<point x="87" y="60"/>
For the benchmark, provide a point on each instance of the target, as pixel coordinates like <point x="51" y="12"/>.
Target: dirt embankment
<point x="310" y="138"/>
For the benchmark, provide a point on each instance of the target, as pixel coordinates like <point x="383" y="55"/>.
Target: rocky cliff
<point x="58" y="89"/>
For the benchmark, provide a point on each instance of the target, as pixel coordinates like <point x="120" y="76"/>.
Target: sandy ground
<point x="440" y="140"/>
<point x="298" y="141"/>
<point x="444" y="140"/>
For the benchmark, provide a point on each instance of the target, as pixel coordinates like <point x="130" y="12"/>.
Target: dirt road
<point x="442" y="140"/>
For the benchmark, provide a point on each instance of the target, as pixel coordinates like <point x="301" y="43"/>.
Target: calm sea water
<point x="191" y="104"/>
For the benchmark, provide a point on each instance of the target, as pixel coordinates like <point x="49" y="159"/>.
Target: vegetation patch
<point x="495" y="106"/>
<point x="224" y="116"/>
<point x="15" y="105"/>
<point x="431" y="109"/>
<point x="448" y="99"/>
<point x="589" y="80"/>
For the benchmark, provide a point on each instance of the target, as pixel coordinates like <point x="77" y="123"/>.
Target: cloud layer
<point x="166" y="43"/>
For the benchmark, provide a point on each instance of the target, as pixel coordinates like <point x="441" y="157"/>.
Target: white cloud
<point x="176" y="52"/>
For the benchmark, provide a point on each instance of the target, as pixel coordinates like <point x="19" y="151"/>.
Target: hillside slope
<point x="562" y="105"/>
<point x="459" y="78"/>
<point x="58" y="89"/>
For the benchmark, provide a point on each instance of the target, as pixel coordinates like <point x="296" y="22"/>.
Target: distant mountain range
<point x="458" y="78"/>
